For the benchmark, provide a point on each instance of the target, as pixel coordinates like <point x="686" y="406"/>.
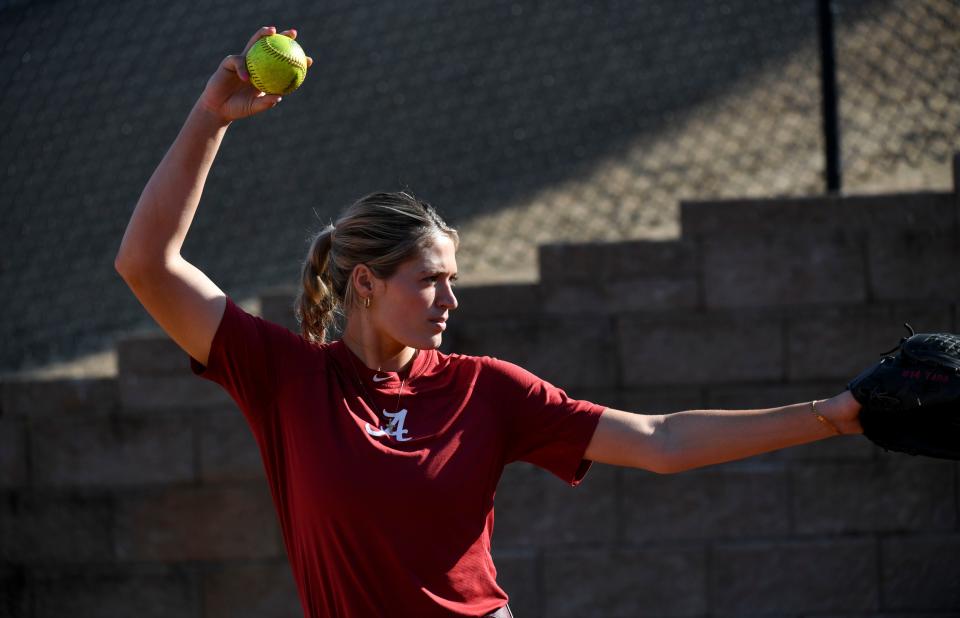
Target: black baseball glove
<point x="911" y="397"/>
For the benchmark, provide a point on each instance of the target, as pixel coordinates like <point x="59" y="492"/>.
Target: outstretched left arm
<point x="667" y="443"/>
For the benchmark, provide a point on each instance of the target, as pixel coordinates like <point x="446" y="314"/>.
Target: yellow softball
<point x="276" y="64"/>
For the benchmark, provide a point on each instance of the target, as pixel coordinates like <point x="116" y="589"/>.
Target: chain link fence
<point x="524" y="122"/>
<point x="898" y="79"/>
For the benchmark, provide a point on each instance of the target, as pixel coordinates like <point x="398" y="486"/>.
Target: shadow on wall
<point x="470" y="105"/>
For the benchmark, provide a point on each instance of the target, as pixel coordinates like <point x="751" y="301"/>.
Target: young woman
<point x="381" y="453"/>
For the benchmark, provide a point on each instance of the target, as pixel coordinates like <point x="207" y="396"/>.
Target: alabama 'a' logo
<point x="395" y="427"/>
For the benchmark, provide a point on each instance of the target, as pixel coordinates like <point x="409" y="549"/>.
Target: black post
<point x="828" y="86"/>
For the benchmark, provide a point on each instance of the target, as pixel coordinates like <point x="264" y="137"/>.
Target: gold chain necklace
<point x="366" y="393"/>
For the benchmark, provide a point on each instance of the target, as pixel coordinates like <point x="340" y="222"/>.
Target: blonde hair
<point x="381" y="230"/>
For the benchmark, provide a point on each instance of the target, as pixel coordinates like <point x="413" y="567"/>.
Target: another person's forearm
<point x="159" y="224"/>
<point x="697" y="438"/>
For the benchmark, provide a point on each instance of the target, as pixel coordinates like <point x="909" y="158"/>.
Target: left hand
<point x="843" y="411"/>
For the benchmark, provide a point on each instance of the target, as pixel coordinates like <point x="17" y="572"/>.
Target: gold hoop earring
<point x="366" y="302"/>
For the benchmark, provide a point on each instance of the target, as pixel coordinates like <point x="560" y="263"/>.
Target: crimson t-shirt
<point x="390" y="509"/>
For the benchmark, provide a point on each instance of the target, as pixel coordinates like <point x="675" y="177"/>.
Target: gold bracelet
<point x="822" y="418"/>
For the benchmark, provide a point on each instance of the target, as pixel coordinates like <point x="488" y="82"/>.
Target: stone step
<point x="790" y="344"/>
<point x="276" y="305"/>
<point x="770" y="252"/>
<point x="924" y="211"/>
<point x="569" y="263"/>
<point x="67" y="396"/>
<point x="826" y="250"/>
<point x="154" y="373"/>
<point x="610" y="278"/>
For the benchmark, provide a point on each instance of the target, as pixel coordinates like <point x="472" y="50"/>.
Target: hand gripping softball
<point x="276" y="64"/>
<point x="911" y="397"/>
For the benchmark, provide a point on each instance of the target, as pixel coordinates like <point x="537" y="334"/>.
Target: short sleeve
<point x="243" y="360"/>
<point x="544" y="426"/>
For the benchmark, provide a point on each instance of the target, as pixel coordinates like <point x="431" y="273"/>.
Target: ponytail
<point x="317" y="301"/>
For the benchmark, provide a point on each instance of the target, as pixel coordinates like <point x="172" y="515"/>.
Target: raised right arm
<point x="180" y="297"/>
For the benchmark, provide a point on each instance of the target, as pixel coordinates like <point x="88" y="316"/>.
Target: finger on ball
<point x="262" y="32"/>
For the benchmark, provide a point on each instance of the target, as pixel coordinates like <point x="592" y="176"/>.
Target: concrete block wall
<point x="145" y="494"/>
<point x="759" y="303"/>
<point x="142" y="495"/>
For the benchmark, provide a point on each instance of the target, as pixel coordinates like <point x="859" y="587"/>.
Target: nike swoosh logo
<point x="377" y="378"/>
